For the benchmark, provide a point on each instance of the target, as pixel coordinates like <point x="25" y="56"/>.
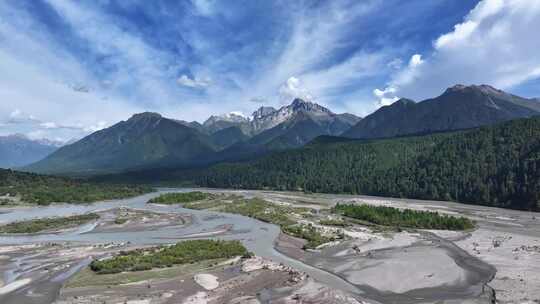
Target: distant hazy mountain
<point x="145" y="140"/>
<point x="459" y="107"/>
<point x="219" y="122"/>
<point x="18" y="150"/>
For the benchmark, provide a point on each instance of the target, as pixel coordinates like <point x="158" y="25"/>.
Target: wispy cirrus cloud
<point x="101" y="61"/>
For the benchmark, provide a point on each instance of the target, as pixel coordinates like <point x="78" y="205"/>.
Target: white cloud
<point x="19" y="117"/>
<point x="49" y="85"/>
<point x="293" y="88"/>
<point x="495" y="44"/>
<point x="461" y="34"/>
<point x="49" y="125"/>
<point x="96" y="127"/>
<point x="314" y="38"/>
<point x="37" y="134"/>
<point x="385" y="97"/>
<point x="195" y="82"/>
<point x="415" y="61"/>
<point x="15" y="114"/>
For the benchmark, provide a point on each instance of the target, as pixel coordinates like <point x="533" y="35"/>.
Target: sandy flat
<point x="372" y="241"/>
<point x="200" y="297"/>
<point x="257" y="263"/>
<point x="517" y="259"/>
<point x="14" y="286"/>
<point x="406" y="270"/>
<point x="207" y="281"/>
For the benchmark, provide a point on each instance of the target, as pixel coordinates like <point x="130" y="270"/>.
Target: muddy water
<point x="257" y="236"/>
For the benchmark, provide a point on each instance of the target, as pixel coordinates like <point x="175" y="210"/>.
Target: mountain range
<point x="18" y="150"/>
<point x="459" y="107"/>
<point x="148" y="140"/>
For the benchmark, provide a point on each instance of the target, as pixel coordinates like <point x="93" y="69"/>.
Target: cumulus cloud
<point x="385" y="97"/>
<point x="293" y="88"/>
<point x="19" y="117"/>
<point x="415" y="61"/>
<point x="196" y="82"/>
<point x="494" y="44"/>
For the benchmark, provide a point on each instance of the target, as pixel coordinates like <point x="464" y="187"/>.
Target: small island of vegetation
<point x="180" y="198"/>
<point x="390" y="216"/>
<point x="281" y="215"/>
<point x="47" y="224"/>
<point x="185" y="252"/>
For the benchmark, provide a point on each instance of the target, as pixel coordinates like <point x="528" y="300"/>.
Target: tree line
<point x="394" y="217"/>
<point x="495" y="166"/>
<point x="40" y="189"/>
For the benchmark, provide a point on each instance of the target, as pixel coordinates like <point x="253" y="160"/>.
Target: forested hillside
<point x="496" y="166"/>
<point x="20" y="187"/>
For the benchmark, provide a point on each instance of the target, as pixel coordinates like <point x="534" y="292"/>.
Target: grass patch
<point x="167" y="256"/>
<point x="262" y="210"/>
<point x="309" y="233"/>
<point x="390" y="216"/>
<point x="87" y="277"/>
<point x="270" y="213"/>
<point x="279" y="215"/>
<point x="37" y="225"/>
<point x="180" y="198"/>
<point x="202" y="205"/>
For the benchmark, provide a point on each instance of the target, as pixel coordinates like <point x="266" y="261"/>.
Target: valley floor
<point x="365" y="264"/>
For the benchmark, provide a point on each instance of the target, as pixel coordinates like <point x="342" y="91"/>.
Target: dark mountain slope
<point x="227" y="137"/>
<point x="145" y="140"/>
<point x="459" y="107"/>
<point x="289" y="127"/>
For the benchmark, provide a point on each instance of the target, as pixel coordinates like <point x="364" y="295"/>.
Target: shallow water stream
<point x="257" y="236"/>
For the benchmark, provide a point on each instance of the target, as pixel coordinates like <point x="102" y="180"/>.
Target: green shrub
<point x="37" y="225"/>
<point x="179" y="198"/>
<point x="389" y="216"/>
<point x="185" y="252"/>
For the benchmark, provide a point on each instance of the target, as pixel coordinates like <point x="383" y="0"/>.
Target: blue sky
<point x="73" y="67"/>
